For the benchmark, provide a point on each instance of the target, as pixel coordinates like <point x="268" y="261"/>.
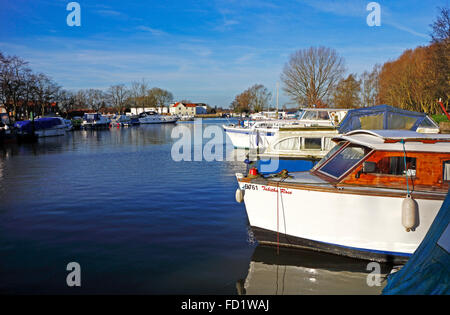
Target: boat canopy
<point x="40" y="123"/>
<point x="385" y="117"/>
<point x="428" y="270"/>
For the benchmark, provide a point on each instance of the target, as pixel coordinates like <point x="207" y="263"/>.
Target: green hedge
<point x="439" y="118"/>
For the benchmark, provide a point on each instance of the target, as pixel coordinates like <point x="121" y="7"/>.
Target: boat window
<point x="446" y="171"/>
<point x="428" y="123"/>
<point x="323" y="116"/>
<point x="396" y="121"/>
<point x="395" y="165"/>
<point x="370" y="122"/>
<point x="329" y="154"/>
<point x="344" y="160"/>
<point x="288" y="144"/>
<point x="310" y="115"/>
<point x="313" y="143"/>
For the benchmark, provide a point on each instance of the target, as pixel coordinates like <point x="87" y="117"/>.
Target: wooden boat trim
<point x="344" y="189"/>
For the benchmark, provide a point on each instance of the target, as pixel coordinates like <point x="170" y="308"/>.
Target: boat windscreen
<point x="330" y="153"/>
<point x="344" y="161"/>
<point x="310" y="115"/>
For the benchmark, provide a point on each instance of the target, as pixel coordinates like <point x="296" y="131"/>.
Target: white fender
<point x="409" y="213"/>
<point x="240" y="195"/>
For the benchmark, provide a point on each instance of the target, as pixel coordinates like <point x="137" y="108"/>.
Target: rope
<point x="278" y="214"/>
<point x="406" y="168"/>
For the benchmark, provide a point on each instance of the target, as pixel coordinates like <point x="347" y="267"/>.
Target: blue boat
<point x="42" y="127"/>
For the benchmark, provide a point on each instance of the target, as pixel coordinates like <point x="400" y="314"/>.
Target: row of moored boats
<point x="58" y="126"/>
<point x="380" y="178"/>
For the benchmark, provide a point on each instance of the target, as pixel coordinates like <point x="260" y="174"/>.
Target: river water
<point x="139" y="222"/>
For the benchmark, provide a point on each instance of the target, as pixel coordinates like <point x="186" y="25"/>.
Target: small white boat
<point x="94" y="121"/>
<point x="373" y="196"/>
<point x="155" y="118"/>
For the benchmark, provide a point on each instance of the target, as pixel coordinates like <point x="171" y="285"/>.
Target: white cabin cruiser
<point x="373" y="196"/>
<point x="155" y="118"/>
<point x="95" y="121"/>
<point x="259" y="134"/>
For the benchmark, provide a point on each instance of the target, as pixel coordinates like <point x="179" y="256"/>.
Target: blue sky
<point x="204" y="51"/>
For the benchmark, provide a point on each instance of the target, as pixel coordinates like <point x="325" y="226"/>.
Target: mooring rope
<point x="406" y="168"/>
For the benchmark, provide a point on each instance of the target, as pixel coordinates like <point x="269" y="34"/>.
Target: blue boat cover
<point x="384" y="117"/>
<point x="40" y="123"/>
<point x="428" y="270"/>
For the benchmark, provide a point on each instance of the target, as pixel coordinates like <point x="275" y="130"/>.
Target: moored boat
<point x="313" y="141"/>
<point x="373" y="196"/>
<point x="42" y="127"/>
<point x="155" y="118"/>
<point x="94" y="121"/>
<point x="259" y="134"/>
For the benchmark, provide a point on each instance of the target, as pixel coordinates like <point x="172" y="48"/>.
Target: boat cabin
<point x="388" y="159"/>
<point x="322" y="116"/>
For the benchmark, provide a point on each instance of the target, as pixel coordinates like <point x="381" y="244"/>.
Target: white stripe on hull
<point x="369" y="223"/>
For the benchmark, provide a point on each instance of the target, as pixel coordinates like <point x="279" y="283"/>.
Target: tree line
<point x="414" y="81"/>
<point x="24" y="92"/>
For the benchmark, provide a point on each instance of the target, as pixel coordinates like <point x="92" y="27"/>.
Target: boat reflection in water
<point x="306" y="272"/>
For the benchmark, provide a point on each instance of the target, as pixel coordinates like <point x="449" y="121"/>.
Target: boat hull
<point x="242" y="138"/>
<point x="360" y="226"/>
<point x="144" y="121"/>
<point x="51" y="132"/>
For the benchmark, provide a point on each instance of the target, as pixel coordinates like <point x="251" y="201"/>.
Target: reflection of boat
<point x="186" y="118"/>
<point x="6" y="134"/>
<point x="42" y="127"/>
<point x="121" y="121"/>
<point x="155" y="118"/>
<point x="313" y="141"/>
<point x="353" y="202"/>
<point x="94" y="121"/>
<point x="259" y="134"/>
<point x="69" y="126"/>
<point x="301" y="272"/>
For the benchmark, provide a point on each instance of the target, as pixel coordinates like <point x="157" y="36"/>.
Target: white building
<point x="181" y="109"/>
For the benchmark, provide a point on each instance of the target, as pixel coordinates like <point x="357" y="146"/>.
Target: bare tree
<point x="259" y="97"/>
<point x="161" y="97"/>
<point x="370" y="86"/>
<point x="96" y="99"/>
<point x="311" y="75"/>
<point x="118" y="95"/>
